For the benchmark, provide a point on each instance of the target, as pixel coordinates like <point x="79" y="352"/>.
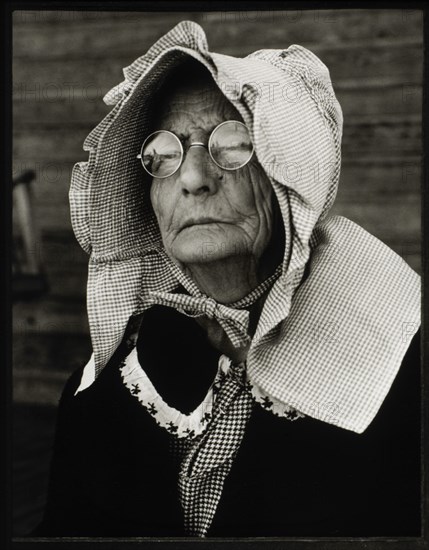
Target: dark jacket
<point x="113" y="475"/>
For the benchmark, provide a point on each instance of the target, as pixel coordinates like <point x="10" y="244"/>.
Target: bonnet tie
<point x="233" y="318"/>
<point x="234" y="322"/>
<point x="206" y="460"/>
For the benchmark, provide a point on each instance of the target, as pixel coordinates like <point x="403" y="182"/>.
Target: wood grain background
<point x="64" y="62"/>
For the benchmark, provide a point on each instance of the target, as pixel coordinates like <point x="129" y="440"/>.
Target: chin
<point x="204" y="249"/>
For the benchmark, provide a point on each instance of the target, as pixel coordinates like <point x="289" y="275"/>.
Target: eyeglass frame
<point x="195" y="144"/>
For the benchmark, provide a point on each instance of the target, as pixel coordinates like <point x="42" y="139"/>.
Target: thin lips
<point x="200" y="221"/>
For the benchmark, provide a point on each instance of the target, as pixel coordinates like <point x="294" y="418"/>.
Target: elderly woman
<point x="244" y="380"/>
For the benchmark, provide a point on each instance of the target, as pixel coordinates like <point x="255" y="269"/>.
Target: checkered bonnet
<point x="287" y="101"/>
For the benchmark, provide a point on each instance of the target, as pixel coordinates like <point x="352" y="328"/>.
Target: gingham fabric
<point x="208" y="461"/>
<point x="234" y="320"/>
<point x="338" y="320"/>
<point x="214" y="430"/>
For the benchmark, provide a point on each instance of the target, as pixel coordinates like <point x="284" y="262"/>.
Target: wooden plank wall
<point x="63" y="64"/>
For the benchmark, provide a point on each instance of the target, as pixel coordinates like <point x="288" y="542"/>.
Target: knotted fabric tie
<point x="206" y="461"/>
<point x="232" y="317"/>
<point x="234" y="322"/>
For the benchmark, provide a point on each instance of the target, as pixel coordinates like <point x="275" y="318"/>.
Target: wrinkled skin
<point x="240" y="201"/>
<point x="222" y="257"/>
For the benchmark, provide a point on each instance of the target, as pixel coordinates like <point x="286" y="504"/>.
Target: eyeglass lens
<point x="230" y="148"/>
<point x="230" y="145"/>
<point x="162" y="154"/>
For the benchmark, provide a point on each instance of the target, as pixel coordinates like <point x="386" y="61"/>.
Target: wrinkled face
<point x="205" y="213"/>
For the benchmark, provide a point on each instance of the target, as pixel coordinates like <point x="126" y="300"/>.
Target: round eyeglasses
<point x="229" y="147"/>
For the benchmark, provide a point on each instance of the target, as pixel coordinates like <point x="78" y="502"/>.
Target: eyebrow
<point x="185" y="135"/>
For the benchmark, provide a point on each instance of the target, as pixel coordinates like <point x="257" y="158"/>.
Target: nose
<point x="197" y="175"/>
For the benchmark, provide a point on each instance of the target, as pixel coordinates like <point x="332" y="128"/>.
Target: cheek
<point x="258" y="195"/>
<point x="161" y="204"/>
<point x="262" y="191"/>
<point x="251" y="191"/>
<point x="237" y="190"/>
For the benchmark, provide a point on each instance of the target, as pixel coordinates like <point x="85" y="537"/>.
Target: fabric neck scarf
<point x="234" y="319"/>
<point x="207" y="459"/>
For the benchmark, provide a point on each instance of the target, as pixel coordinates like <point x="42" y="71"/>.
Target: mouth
<point x="199" y="221"/>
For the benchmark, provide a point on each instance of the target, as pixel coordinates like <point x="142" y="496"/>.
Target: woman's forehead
<point x="195" y="102"/>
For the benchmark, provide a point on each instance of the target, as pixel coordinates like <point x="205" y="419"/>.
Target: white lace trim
<point x="178" y="423"/>
<point x="270" y="403"/>
<point x="193" y="424"/>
